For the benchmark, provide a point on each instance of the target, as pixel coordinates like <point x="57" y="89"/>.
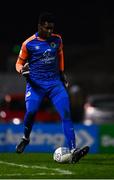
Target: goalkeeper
<point x="44" y="72"/>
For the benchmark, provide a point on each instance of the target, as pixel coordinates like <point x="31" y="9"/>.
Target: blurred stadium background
<point x="88" y="35"/>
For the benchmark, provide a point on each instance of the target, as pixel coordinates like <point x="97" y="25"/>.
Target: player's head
<point x="46" y="23"/>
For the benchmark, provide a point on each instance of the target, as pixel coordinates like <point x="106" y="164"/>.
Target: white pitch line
<point x="61" y="171"/>
<point x="20" y="174"/>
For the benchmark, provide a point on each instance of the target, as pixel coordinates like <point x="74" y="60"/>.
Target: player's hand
<point x="66" y="83"/>
<point x="64" y="79"/>
<point x="25" y="70"/>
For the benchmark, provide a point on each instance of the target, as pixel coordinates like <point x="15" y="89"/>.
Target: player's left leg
<point x="63" y="109"/>
<point x="60" y="99"/>
<point x="78" y="153"/>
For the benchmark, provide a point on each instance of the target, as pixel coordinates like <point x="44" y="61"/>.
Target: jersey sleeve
<point x="61" y="55"/>
<point x="22" y="58"/>
<point x="23" y="52"/>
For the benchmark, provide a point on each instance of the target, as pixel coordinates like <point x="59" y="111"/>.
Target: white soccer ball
<point x="62" y="155"/>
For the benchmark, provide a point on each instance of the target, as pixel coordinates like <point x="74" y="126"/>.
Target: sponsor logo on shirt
<point x="47" y="57"/>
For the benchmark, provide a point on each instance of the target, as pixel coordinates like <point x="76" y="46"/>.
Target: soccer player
<point x="44" y="71"/>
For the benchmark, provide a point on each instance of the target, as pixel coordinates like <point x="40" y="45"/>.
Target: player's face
<point x="46" y="29"/>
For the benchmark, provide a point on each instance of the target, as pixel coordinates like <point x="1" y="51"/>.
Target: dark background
<point x="80" y="22"/>
<point x="87" y="29"/>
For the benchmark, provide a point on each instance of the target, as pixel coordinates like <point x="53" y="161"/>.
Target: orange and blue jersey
<point x="45" y="57"/>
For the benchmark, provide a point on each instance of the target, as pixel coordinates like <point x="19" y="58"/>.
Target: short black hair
<point x="46" y="17"/>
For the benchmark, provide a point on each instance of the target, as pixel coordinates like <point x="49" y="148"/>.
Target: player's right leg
<point x="22" y="144"/>
<point x="33" y="101"/>
<point x="31" y="109"/>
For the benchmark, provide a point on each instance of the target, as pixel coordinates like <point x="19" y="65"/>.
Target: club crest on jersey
<point x="53" y="45"/>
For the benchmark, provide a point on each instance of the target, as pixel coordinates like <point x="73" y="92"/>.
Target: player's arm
<point x="61" y="65"/>
<point x="21" y="63"/>
<point x="61" y="68"/>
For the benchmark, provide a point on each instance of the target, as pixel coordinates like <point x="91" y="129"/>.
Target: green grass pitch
<point x="42" y="166"/>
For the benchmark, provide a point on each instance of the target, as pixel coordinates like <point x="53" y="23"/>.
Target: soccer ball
<point x="62" y="155"/>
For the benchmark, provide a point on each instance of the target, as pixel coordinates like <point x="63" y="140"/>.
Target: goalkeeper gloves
<point x="63" y="78"/>
<point x="25" y="70"/>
